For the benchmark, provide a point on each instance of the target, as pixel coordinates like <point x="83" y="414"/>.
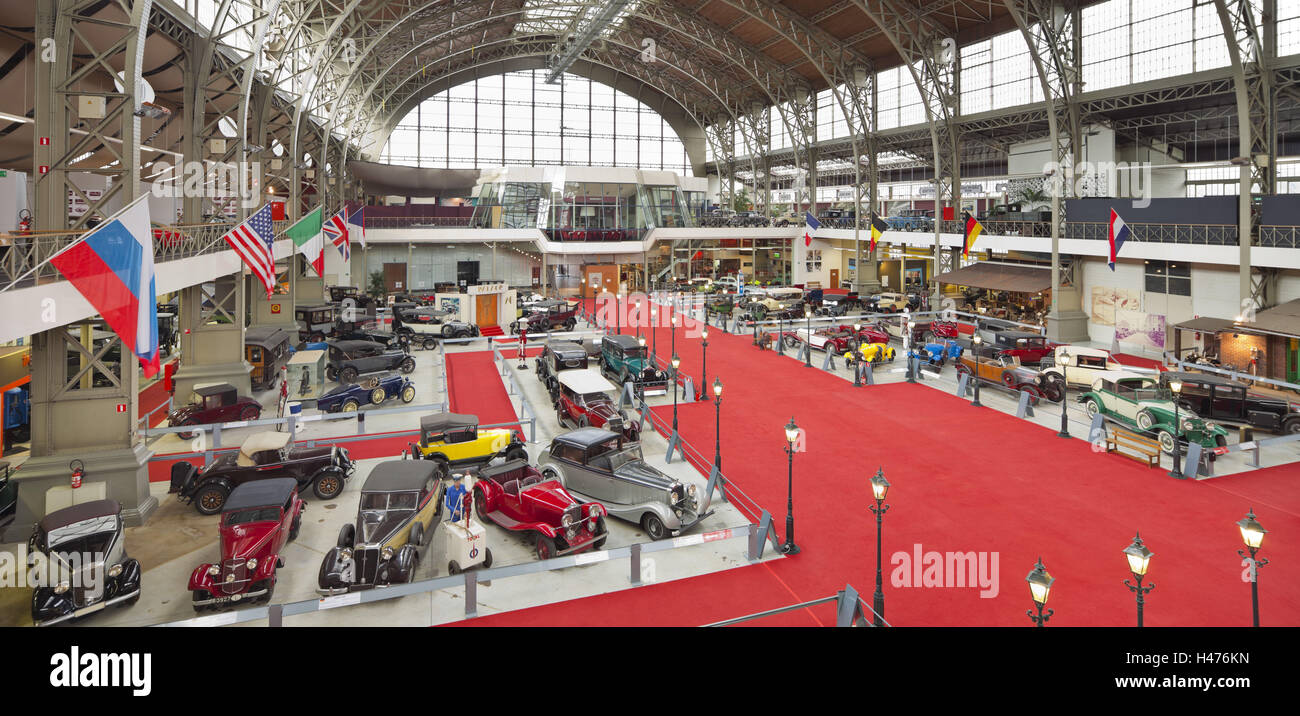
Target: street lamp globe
<point x="1139" y="557"/>
<point x="1176" y="386"/>
<point x="977" y="340"/>
<point x="676" y="361"/>
<point x="717" y="387"/>
<point x="791" y="431"/>
<point x="641" y="340"/>
<point x="879" y="485"/>
<point x="1040" y="583"/>
<point x="704" y="333"/>
<point x="1252" y="532"/>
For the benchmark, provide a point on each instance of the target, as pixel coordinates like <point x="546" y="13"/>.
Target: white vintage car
<point x="1077" y="364"/>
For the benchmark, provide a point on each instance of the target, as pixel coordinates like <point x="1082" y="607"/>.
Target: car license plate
<point x="656" y="391"/>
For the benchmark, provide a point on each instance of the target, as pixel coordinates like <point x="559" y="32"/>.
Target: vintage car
<point x="427" y="321"/>
<point x="701" y="285"/>
<point x="584" y="401"/>
<point x="836" y="340"/>
<point x="61" y="543"/>
<point x="340" y="294"/>
<point x="262" y="457"/>
<point x="1138" y="401"/>
<point x="214" y="403"/>
<point x="1082" y="367"/>
<point x="349" y="360"/>
<point x="515" y="496"/>
<point x="838" y="304"/>
<point x="932" y="331"/>
<point x="873" y="352"/>
<point x="8" y="492"/>
<point x="937" y="353"/>
<point x="547" y="315"/>
<point x="720" y="306"/>
<point x="890" y="303"/>
<point x="1030" y="348"/>
<point x="727" y="284"/>
<point x="315" y="322"/>
<point x="556" y="358"/>
<point x="383" y="339"/>
<point x="599" y="465"/>
<point x="400" y="504"/>
<point x="350" y="398"/>
<point x="1219" y="398"/>
<point x="420" y="335"/>
<point x="455" y="440"/>
<point x="993" y="366"/>
<point x="257" y="521"/>
<point x="875" y="332"/>
<point x="623" y="358"/>
<point x="758" y="308"/>
<point x="911" y="220"/>
<point x="267" y="349"/>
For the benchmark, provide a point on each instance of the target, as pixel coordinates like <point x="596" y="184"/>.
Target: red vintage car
<point x="515" y="496"/>
<point x="870" y="332"/>
<point x="583" y="400"/>
<point x="217" y="403"/>
<point x="258" y="520"/>
<point x="934" y="331"/>
<point x="1030" y="348"/>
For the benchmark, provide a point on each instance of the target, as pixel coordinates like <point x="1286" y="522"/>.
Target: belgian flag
<point x="878" y="227"/>
<point x="973" y="231"/>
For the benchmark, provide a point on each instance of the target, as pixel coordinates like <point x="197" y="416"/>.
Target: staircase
<point x="493" y="330"/>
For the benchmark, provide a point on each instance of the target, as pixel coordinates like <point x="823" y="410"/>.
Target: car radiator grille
<point x="367" y="564"/>
<point x="234" y="575"/>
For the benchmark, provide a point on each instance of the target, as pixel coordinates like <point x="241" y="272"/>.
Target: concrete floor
<point x="177" y="539"/>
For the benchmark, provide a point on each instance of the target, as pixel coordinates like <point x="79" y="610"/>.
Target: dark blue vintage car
<point x="938" y="353"/>
<point x="350" y="398"/>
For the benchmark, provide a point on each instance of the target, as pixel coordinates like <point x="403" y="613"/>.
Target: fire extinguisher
<point x="78" y="471"/>
<point x="24" y="222"/>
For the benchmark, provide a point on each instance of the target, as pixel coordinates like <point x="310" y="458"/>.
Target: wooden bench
<point x="1142" y="448"/>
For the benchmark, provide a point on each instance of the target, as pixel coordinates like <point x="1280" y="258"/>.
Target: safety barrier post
<point x="1023" y="407"/>
<point x="635" y="558"/>
<point x="471" y="593"/>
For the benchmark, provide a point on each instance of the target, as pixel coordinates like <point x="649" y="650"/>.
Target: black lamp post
<point x="523" y="347"/>
<point x="1040" y="586"/>
<point x="976" y="342"/>
<point x="676" y="362"/>
<point x="807" y="354"/>
<point x="879" y="489"/>
<point x="618" y="306"/>
<point x="704" y="363"/>
<point x="1252" y="533"/>
<point x="717" y="423"/>
<point x="1176" y="387"/>
<point x="780" y="328"/>
<point x="672" y="330"/>
<point x="791" y="434"/>
<point x="1064" y="357"/>
<point x="856" y="346"/>
<point x="1139" y="557"/>
<point x="654" y="341"/>
<point x="907" y="346"/>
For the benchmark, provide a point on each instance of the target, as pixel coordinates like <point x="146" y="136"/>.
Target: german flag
<point x="878" y="227"/>
<point x="973" y="231"/>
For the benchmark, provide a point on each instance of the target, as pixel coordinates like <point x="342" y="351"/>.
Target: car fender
<point x="664" y="512"/>
<point x="266" y="566"/>
<point x="129" y="579"/>
<point x="203" y="482"/>
<point x="200" y="580"/>
<point x="403" y="563"/>
<point x="489" y="492"/>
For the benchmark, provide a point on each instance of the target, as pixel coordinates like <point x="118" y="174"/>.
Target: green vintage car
<point x="623" y="359"/>
<point x="1138" y="401"/>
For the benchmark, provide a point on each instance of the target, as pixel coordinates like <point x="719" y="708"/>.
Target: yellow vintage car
<point x="873" y="352"/>
<point x="454" y="439"/>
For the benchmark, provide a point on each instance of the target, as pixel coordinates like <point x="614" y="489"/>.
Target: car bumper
<point x="91" y="609"/>
<point x="686" y="522"/>
<point x="231" y="599"/>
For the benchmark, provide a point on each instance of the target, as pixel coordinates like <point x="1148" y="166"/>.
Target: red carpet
<point x="491" y="331"/>
<point x="994" y="484"/>
<point x="474" y="386"/>
<point x="1131" y="360"/>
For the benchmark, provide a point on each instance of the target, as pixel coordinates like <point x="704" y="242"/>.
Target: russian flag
<point x="1117" y="234"/>
<point x="811" y="224"/>
<point x="112" y="267"/>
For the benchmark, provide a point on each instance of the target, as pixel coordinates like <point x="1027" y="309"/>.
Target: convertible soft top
<point x="585" y="381"/>
<point x="398" y="475"/>
<point x="441" y="422"/>
<point x="623" y="340"/>
<point x="260" y="493"/>
<point x="93" y="510"/>
<point x="567" y="349"/>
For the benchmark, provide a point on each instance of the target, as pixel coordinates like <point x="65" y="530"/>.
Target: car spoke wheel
<point x="429" y="344"/>
<point x="545" y="548"/>
<point x="331" y="374"/>
<point x="328" y="486"/>
<point x="351" y="406"/>
<point x="211" y="499"/>
<point x="348" y="375"/>
<point x="1091" y="407"/>
<point x="408" y="394"/>
<point x="378" y="395"/>
<point x="653" y="526"/>
<point x="250" y="413"/>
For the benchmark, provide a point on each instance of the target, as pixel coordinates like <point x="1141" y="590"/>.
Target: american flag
<point x="252" y="241"/>
<point x="336" y="227"/>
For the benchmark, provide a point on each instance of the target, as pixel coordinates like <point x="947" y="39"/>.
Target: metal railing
<point x="421" y="222"/>
<point x="850" y="610"/>
<point x="1201" y="234"/>
<point x="1282" y="237"/>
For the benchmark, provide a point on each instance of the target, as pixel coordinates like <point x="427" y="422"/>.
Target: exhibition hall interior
<point x="650" y="313"/>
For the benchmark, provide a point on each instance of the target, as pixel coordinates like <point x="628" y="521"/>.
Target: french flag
<point x="357" y="225"/>
<point x="112" y="267"/>
<point x="1118" y="234"/>
<point x="811" y="224"/>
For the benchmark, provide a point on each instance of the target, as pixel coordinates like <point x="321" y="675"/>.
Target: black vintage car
<point x="350" y="359"/>
<point x="265" y="455"/>
<point x="61" y="545"/>
<point x="547" y="316"/>
<point x="1217" y="398"/>
<point x="556" y="357"/>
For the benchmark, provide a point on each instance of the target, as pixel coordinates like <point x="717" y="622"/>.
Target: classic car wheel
<point x="1291" y="427"/>
<point x="196" y="596"/>
<point x="347" y="535"/>
<point x="545" y="548"/>
<point x="516" y="452"/>
<point x="1009" y="380"/>
<point x="211" y="499"/>
<point x="330" y="373"/>
<point x="1091" y="407"/>
<point x="1220" y="441"/>
<point x="295" y="527"/>
<point x="429" y="344"/>
<point x="407" y="365"/>
<point x="250" y="413"/>
<point x="188" y="434"/>
<point x="328" y="486"/>
<point x="378" y="395"/>
<point x="446" y="331"/>
<point x="653" y="526"/>
<point x="1167" y="441"/>
<point x="570" y="324"/>
<point x="351" y="405"/>
<point x="791" y="343"/>
<point x="1145" y="420"/>
<point x="348" y="375"/>
<point x="479" y="509"/>
<point x="1052" y="390"/>
<point x="453" y="567"/>
<point x="417" y="534"/>
<point x="408" y="394"/>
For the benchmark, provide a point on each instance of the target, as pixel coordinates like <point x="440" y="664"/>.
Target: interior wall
<point x="431" y="264"/>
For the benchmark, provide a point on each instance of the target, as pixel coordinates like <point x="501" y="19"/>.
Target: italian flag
<point x="306" y="235"/>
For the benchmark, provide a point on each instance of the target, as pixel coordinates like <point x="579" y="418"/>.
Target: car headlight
<point x="567" y="521"/>
<point x="1210" y="426"/>
<point x="214" y="570"/>
<point x="251" y="564"/>
<point x="387" y="553"/>
<point x="690" y="490"/>
<point x="62" y="587"/>
<point x="1188" y="425"/>
<point x="345" y="554"/>
<point x="115" y="570"/>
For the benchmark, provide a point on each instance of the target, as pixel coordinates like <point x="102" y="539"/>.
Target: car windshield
<point x="90" y="539"/>
<point x="255" y="514"/>
<point x="381" y="511"/>
<point x="589" y="398"/>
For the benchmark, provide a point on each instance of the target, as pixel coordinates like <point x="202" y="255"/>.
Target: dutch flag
<point x="1118" y="234"/>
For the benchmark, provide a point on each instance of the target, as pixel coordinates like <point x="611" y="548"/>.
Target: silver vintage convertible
<point x="599" y="465"/>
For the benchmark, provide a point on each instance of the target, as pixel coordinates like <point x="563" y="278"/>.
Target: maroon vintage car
<point x="583" y="400"/>
<point x="515" y="496"/>
<point x="934" y="331"/>
<point x="870" y="332"/>
<point x="1030" y="348"/>
<point x="259" y="519"/>
<point x="217" y="403"/>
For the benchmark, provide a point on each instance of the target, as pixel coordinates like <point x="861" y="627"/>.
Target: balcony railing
<point x="422" y="222"/>
<point x="1281" y="237"/>
<point x="1201" y="234"/>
